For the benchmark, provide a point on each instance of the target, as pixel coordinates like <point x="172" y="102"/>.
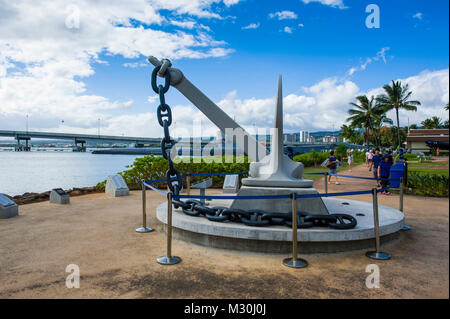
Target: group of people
<point x="332" y="164"/>
<point x="380" y="164"/>
<point x="376" y="161"/>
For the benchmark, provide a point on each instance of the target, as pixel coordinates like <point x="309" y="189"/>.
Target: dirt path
<point x="96" y="232"/>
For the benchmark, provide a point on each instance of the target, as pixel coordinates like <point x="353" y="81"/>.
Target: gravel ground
<point x="96" y="232"/>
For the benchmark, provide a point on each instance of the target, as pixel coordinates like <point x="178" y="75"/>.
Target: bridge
<point x="300" y="148"/>
<point x="79" y="139"/>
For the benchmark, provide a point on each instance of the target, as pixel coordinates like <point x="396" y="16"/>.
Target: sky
<point x="75" y="66"/>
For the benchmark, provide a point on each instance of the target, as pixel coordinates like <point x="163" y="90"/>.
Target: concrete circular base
<point x="278" y="239"/>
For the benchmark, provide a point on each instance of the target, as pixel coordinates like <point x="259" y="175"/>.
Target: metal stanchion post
<point x="326" y="182"/>
<point x="378" y="254"/>
<point x="188" y="184"/>
<point x="294" y="262"/>
<point x="144" y="228"/>
<point x="169" y="259"/>
<point x="405" y="227"/>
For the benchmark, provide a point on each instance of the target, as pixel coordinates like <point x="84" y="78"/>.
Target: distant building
<point x="311" y="139"/>
<point x="416" y="138"/>
<point x="303" y="136"/>
<point x="329" y="139"/>
<point x="289" y="138"/>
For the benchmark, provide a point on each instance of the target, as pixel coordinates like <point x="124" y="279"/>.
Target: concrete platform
<point x="278" y="239"/>
<point x="313" y="206"/>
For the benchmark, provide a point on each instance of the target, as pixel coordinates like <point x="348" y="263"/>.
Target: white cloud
<point x="431" y="88"/>
<point x="251" y="26"/>
<point x="418" y="15"/>
<point x="230" y="2"/>
<point x="153" y="99"/>
<point x="184" y="24"/>
<point x="287" y="30"/>
<point x="198" y="8"/>
<point x="323" y="105"/>
<point x="301" y="25"/>
<point x="381" y="55"/>
<point x="332" y="3"/>
<point x="283" y="15"/>
<point x="48" y="48"/>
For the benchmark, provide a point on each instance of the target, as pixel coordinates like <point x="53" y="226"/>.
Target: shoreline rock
<point x="29" y="198"/>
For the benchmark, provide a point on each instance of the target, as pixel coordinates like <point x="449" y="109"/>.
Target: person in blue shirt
<point x="332" y="165"/>
<point x="376" y="159"/>
<point x="384" y="170"/>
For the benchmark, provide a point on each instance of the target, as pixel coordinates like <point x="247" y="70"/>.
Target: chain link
<point x="196" y="208"/>
<point x="258" y="218"/>
<point x="164" y="115"/>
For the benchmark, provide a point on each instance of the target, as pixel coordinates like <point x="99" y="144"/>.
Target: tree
<point x="378" y="123"/>
<point x="432" y="123"/>
<point x="341" y="150"/>
<point x="397" y="97"/>
<point x="364" y="115"/>
<point x="350" y="134"/>
<point x="446" y="107"/>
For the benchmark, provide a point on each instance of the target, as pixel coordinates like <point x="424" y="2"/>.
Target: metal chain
<point x="256" y="217"/>
<point x="221" y="214"/>
<point x="164" y="115"/>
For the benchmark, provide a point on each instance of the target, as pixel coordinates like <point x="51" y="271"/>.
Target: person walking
<point x="350" y="160"/>
<point x="376" y="159"/>
<point x="370" y="156"/>
<point x="384" y="171"/>
<point x="367" y="158"/>
<point x="332" y="165"/>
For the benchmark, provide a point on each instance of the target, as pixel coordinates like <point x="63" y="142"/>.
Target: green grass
<point x="417" y="164"/>
<point x="314" y="170"/>
<point x="443" y="172"/>
<point x="320" y="169"/>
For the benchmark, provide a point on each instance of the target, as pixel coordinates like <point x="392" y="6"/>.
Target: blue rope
<point x="196" y="174"/>
<point x="274" y="196"/>
<point x="287" y="196"/>
<point x="155" y="189"/>
<point x="350" y="176"/>
<point x="215" y="174"/>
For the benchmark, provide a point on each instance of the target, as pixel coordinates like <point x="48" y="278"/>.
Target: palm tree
<point x="378" y="123"/>
<point x="364" y="115"/>
<point x="397" y="97"/>
<point x="432" y="123"/>
<point x="446" y="107"/>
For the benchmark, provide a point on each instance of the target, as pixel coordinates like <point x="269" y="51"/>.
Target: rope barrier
<point x="147" y="184"/>
<point x="350" y="176"/>
<point x="155" y="189"/>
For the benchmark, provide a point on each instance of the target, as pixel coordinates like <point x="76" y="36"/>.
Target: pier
<point x="78" y="139"/>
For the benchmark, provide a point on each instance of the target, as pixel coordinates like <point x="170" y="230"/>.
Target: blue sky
<point x="313" y="44"/>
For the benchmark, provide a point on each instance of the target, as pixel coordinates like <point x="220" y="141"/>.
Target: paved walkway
<point x="348" y="184"/>
<point x="96" y="232"/>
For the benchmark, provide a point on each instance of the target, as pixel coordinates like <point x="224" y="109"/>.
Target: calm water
<point x="40" y="171"/>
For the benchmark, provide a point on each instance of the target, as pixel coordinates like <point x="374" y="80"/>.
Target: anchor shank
<point x="218" y="117"/>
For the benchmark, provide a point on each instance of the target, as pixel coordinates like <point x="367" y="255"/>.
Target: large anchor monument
<point x="273" y="176"/>
<point x="270" y="174"/>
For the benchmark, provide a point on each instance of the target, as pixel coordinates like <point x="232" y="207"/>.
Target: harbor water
<point x="40" y="171"/>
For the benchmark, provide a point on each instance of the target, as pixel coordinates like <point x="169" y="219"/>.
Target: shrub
<point x="155" y="167"/>
<point x="428" y="184"/>
<point x="341" y="151"/>
<point x="311" y="159"/>
<point x="411" y="157"/>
